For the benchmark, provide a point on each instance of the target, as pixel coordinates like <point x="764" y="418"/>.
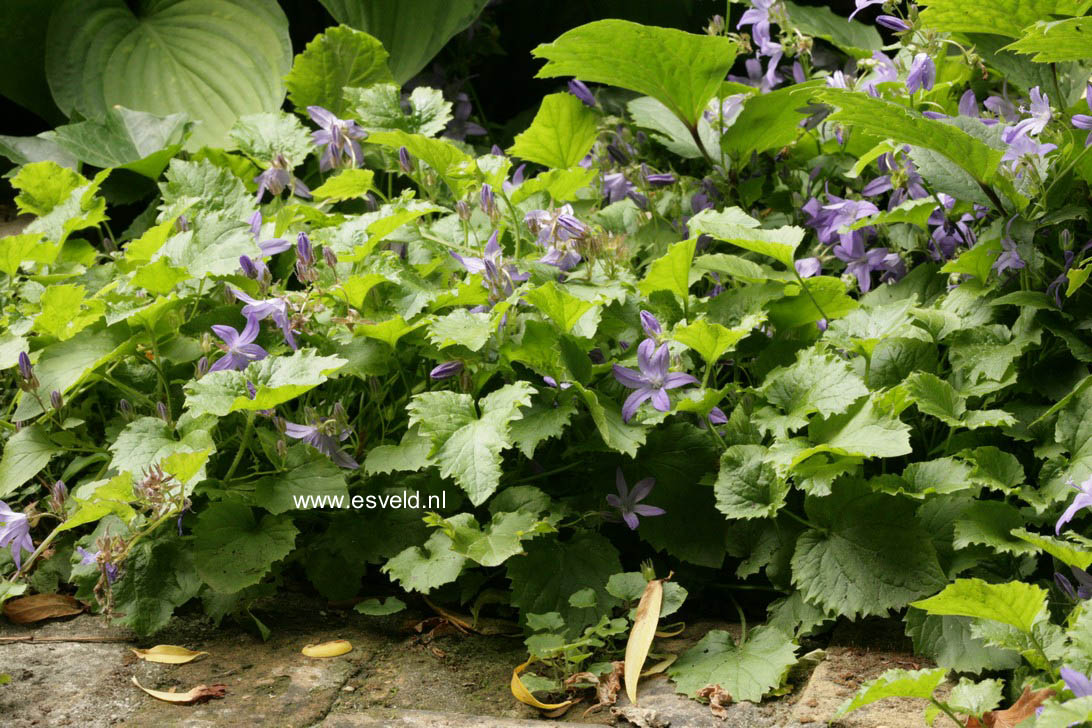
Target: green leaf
<point x="1016" y="604"/>
<point x="710" y="340"/>
<point x="265" y="136"/>
<point x="234" y="550"/>
<point x="127" y="139"/>
<point x="18" y="249"/>
<point x="462" y="328"/>
<point x="816" y="382"/>
<point x="101" y="54"/>
<point x="747" y="671"/>
<point x="748" y="486"/>
<point x="990" y="523"/>
<point x="551" y="571"/>
<point x="1052" y="42"/>
<point x="974" y="697"/>
<point x="867" y="429"/>
<point x="66" y="312"/>
<point x="681" y="70"/>
<point x="999" y="17"/>
<point x="159" y="277"/>
<point x="443" y="156"/>
<point x="43" y="186"/>
<point x="649" y="113"/>
<point x="1068" y="553"/>
<point x="423" y="568"/>
<point x="914" y="212"/>
<point x="887" y="119"/>
<point x="389" y="331"/>
<point x="158" y="577"/>
<point x="561" y="134"/>
<point x="767" y="121"/>
<point x="869" y="554"/>
<point x="63" y="200"/>
<point x="779" y="244"/>
<point x="211" y="247"/>
<point x="896" y="684"/>
<point x="411" y="454"/>
<point x="671" y="271"/>
<point x="413" y="31"/>
<point x="497" y="542"/>
<point x="147" y="441"/>
<point x="25" y="454"/>
<point x="379" y="108"/>
<point x="307" y="475"/>
<point x="560" y="306"/>
<point x="380" y="608"/>
<point x="936" y="397"/>
<point x="543" y="421"/>
<point x="857" y="39"/>
<point x="1062" y="715"/>
<point x="948" y="641"/>
<point x="339" y="58"/>
<point x="607" y="416"/>
<point x="468" y="448"/>
<point x="203" y="184"/>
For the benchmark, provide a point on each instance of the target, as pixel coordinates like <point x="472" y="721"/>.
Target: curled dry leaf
<point x="523" y="695"/>
<point x="671" y="630"/>
<point x="660" y="666"/>
<point x="168" y="654"/>
<point x="328" y="649"/>
<point x="199" y="694"/>
<point x="718" y="698"/>
<point x="642" y="634"/>
<point x="606" y="686"/>
<point x="37" y="607"/>
<point x="1010" y="717"/>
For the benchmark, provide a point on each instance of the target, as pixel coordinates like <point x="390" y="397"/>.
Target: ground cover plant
<point x="793" y="304"/>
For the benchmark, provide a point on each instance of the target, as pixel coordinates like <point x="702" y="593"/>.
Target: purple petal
<point x="660" y="400"/>
<point x="631" y="520"/>
<point x="620" y="484"/>
<point x="633" y="401"/>
<point x="641" y="489"/>
<point x="678" y="379"/>
<point x="628" y="377"/>
<point x="647" y="510"/>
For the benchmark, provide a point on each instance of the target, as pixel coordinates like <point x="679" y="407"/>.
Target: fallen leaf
<point x="37" y="607"/>
<point x="606" y="686"/>
<point x="660" y="666"/>
<point x="523" y="695"/>
<point x="1010" y="717"/>
<point x="641" y="634"/>
<point x="198" y="694"/>
<point x="168" y="654"/>
<point x="328" y="649"/>
<point x="641" y="717"/>
<point x="671" y="630"/>
<point x="718" y="698"/>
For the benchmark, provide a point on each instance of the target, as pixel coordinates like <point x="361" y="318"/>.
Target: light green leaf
<point x="867" y="429"/>
<point x="914" y="212"/>
<point x="211" y="247"/>
<point x="999" y="17"/>
<point x="389" y="331"/>
<point x="159" y="277"/>
<point x="497" y="542"/>
<point x="816" y="382"/>
<point x="1077" y="711"/>
<point x="202" y="183"/>
<point x="853" y="37"/>
<point x="25" y="454"/>
<point x="411" y="454"/>
<point x="748" y="486"/>
<point x="681" y="70"/>
<point x="1052" y="42"/>
<point x="747" y="671"/>
<point x="561" y="134"/>
<point x="896" y="684"/>
<point x="443" y="156"/>
<point x="379" y="108"/>
<point x="147" y="441"/>
<point x="671" y="271"/>
<point x="339" y="58"/>
<point x="413" y="31"/>
<point x="18" y="249"/>
<point x="767" y="121"/>
<point x="649" y="113"/>
<point x="127" y="139"/>
<point x="380" y="608"/>
<point x="234" y="550"/>
<point x="948" y="641"/>
<point x="423" y="568"/>
<point x="265" y="136"/>
<point x="1016" y="604"/>
<point x="1068" y="553"/>
<point x="936" y="397"/>
<point x="560" y="306"/>
<point x="66" y="312"/>
<point x="975" y="698"/>
<point x="462" y="328"/>
<point x="100" y="53"/>
<point x="779" y="244"/>
<point x="43" y="186"/>
<point x="709" y="339"/>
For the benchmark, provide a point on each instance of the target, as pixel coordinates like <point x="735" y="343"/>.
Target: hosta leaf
<point x="25" y="454"/>
<point x="1016" y="604"/>
<point x="748" y="671"/>
<point x="779" y="244"/>
<point x="413" y="31"/>
<point x="101" y="53"/>
<point x="748" y="486"/>
<point x="234" y="550"/>
<point x="681" y="70"/>
<point x="560" y="135"/>
<point x="133" y="140"/>
<point x="896" y="684"/>
<point x="339" y="58"/>
<point x="1051" y="42"/>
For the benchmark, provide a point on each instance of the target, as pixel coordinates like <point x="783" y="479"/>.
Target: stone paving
<point x="78" y="672"/>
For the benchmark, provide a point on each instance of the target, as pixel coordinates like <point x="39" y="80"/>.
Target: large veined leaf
<point x="214" y="60"/>
<point x="1000" y="17"/>
<point x="1066" y="40"/>
<point x="413" y="31"/>
<point x="681" y="70"/>
<point x="855" y="38"/>
<point x="562" y="133"/>
<point x="133" y="140"/>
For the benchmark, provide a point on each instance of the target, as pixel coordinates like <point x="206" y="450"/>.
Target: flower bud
<point x="892" y="23"/>
<point x="651" y="325"/>
<point x="447" y="369"/>
<point x="249" y="269"/>
<point x="161" y="410"/>
<point x="125" y="408"/>
<point x="56" y="399"/>
<point x="329" y="256"/>
<point x="58" y="492"/>
<point x="489" y="206"/>
<point x="304" y="251"/>
<point x="202" y="366"/>
<point x="463" y="210"/>
<point x="282" y="449"/>
<point x="404" y="161"/>
<point x="26" y="371"/>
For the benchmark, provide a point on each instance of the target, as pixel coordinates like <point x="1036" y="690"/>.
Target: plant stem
<point x="808" y="291"/>
<point x="947" y="711"/>
<point x="243" y="444"/>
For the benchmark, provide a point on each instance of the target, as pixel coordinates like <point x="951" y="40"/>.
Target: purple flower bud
<point x="125" y="408"/>
<point x="249" y="269"/>
<point x="716" y="25"/>
<point x="573" y="226"/>
<point x="496" y="151"/>
<point x="463" y="210"/>
<point x="617" y="154"/>
<point x="202" y="366"/>
<point x="892" y="23"/>
<point x="161" y="410"/>
<point x="582" y="92"/>
<point x="717" y="416"/>
<point x="304" y="252"/>
<point x="404" y="160"/>
<point x="651" y="325"/>
<point x="329" y="256"/>
<point x="58" y="492"/>
<point x="25" y="369"/>
<point x="660" y="179"/>
<point x="56" y="399"/>
<point x="447" y="369"/>
<point x="489" y="206"/>
<point x="808" y="267"/>
<point x="923" y="73"/>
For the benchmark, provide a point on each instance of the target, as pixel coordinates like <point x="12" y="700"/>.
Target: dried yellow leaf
<point x="523" y="695"/>
<point x="168" y="654"/>
<point x="196" y="695"/>
<point x="328" y="649"/>
<point x="660" y="666"/>
<point x="642" y="634"/>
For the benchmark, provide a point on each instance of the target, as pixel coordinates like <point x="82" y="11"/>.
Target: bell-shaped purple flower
<point x="892" y="23"/>
<point x="1081" y="501"/>
<point x="15" y="533"/>
<point x="277" y="178"/>
<point x="239" y="346"/>
<point x="923" y="73"/>
<point x="274" y="308"/>
<point x="324" y="436"/>
<point x="652" y="380"/>
<point x="628" y="502"/>
<point x="582" y="92"/>
<point x="339" y="139"/>
<point x="445" y="370"/>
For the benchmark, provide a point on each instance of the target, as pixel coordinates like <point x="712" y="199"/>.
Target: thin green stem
<point x="947" y="711"/>
<point x="808" y="291"/>
<point x="243" y="445"/>
<point x="795" y="517"/>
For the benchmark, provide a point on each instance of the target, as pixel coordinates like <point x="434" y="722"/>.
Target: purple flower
<point x="268" y="247"/>
<point x="892" y="23"/>
<point x="274" y="308"/>
<point x="1010" y="258"/>
<point x="558" y="231"/>
<point x="862" y="263"/>
<point x="862" y="4"/>
<point x="651" y="325"/>
<point x="1084" y="121"/>
<point x="339" y="139"/>
<point x="1024" y="151"/>
<point x="517" y="179"/>
<point x="724" y="111"/>
<point x="923" y="73"/>
<point x="1083" y="500"/>
<point x="26" y="371"/>
<point x="616" y="187"/>
<point x="460" y="125"/>
<point x="808" y="267"/>
<point x="1084" y="584"/>
<point x="404" y="161"/>
<point x="551" y="382"/>
<point x="499" y="277"/>
<point x="652" y="381"/>
<point x="445" y="370"/>
<point x="324" y="436"/>
<point x="277" y="178"/>
<point x="489" y="205"/>
<point x="1001" y="107"/>
<point x="87" y="558"/>
<point x="582" y="92"/>
<point x="1078" y="683"/>
<point x="240" y="347"/>
<point x="628" y="502"/>
<point x="15" y="533"/>
<point x="1034" y="124"/>
<point x="827" y="219"/>
<point x="665" y="178"/>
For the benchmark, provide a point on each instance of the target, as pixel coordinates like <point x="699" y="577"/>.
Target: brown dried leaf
<point x="168" y="654"/>
<point x="199" y="694"/>
<point x="606" y="686"/>
<point x="1010" y="717"/>
<point x="641" y="635"/>
<point x="37" y="607"/>
<point x="718" y="698"/>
